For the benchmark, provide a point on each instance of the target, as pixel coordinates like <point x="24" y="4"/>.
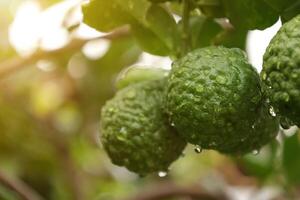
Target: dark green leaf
<point x="235" y="38"/>
<point x="250" y="14"/>
<point x="281" y="5"/>
<point x="291" y="12"/>
<point x="203" y="31"/>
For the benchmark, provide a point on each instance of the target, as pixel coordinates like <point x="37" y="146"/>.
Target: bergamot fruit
<point x="214" y="99"/>
<point x="281" y="71"/>
<point x="135" y="132"/>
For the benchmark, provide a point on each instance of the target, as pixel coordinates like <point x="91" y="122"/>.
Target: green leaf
<point x="164" y="26"/>
<point x="235" y="38"/>
<point x="287" y="8"/>
<point x="291" y="12"/>
<point x="104" y="15"/>
<point x="203" y="31"/>
<point x="250" y="14"/>
<point x="161" y="35"/>
<point x="154" y="27"/>
<point x="135" y="8"/>
<point x="291" y="159"/>
<point x="281" y="5"/>
<point x="148" y="41"/>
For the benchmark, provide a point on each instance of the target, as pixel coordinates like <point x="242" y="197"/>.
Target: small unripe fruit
<point x="281" y="72"/>
<point x="135" y="131"/>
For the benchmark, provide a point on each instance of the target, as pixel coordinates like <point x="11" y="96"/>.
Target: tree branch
<point x="21" y="188"/>
<point x="168" y="190"/>
<point x="10" y="66"/>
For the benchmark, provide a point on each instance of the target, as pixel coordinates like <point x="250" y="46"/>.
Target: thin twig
<point x="19" y="187"/>
<point x="10" y="66"/>
<point x="169" y="190"/>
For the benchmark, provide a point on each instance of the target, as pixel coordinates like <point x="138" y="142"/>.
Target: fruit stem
<point x="185" y="29"/>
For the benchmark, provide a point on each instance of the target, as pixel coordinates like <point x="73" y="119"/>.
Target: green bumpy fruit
<point x="214" y="100"/>
<point x="281" y="71"/>
<point x="135" y="132"/>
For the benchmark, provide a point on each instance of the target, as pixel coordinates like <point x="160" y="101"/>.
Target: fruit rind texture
<point x="135" y="132"/>
<point x="213" y="98"/>
<point x="281" y="71"/>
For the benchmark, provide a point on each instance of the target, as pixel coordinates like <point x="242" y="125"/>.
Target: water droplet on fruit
<point x="198" y="149"/>
<point x="272" y="112"/>
<point x="162" y="174"/>
<point x="255" y="152"/>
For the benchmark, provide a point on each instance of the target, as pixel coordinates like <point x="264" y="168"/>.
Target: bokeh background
<point x="55" y="77"/>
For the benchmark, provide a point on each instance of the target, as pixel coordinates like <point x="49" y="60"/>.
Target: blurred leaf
<point x="107" y="15"/>
<point x="291" y="159"/>
<point x="104" y="15"/>
<point x="263" y="164"/>
<point x="203" y="31"/>
<point x="250" y="14"/>
<point x="154" y="27"/>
